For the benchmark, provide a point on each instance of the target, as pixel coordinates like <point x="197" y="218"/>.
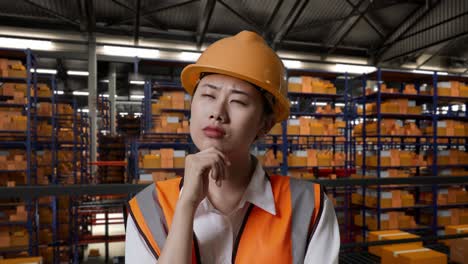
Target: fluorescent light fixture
<point x="189" y="56"/>
<point x="79" y="93"/>
<point x="18" y="43"/>
<point x="104" y="81"/>
<point x="422" y="72"/>
<point x="292" y="64"/>
<point x="83" y="110"/>
<point x="104" y="95"/>
<point x="442" y="73"/>
<point x="136" y="96"/>
<point x="123" y="113"/>
<point x="78" y="73"/>
<point x="137" y="114"/>
<point x="340" y="104"/>
<point x="356" y="69"/>
<point x="130" y="52"/>
<point x="45" y="71"/>
<point x="319" y="103"/>
<point x="137" y="82"/>
<point x="58" y="92"/>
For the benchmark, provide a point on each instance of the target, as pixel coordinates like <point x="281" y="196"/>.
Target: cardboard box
<point x="459" y="251"/>
<point x="390" y="235"/>
<point x="411" y="255"/>
<point x="25" y="260"/>
<point x="152" y="161"/>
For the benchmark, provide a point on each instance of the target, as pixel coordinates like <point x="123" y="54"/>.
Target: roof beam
<point x="206" y="14"/>
<point x="273" y="14"/>
<point x="403" y="28"/>
<point x="157" y="25"/>
<point x="345" y="27"/>
<point x="291" y="19"/>
<point x="91" y="16"/>
<point x="438" y="50"/>
<point x="377" y="27"/>
<point x="136" y="32"/>
<point x="54" y="13"/>
<point x="239" y="15"/>
<point x="150" y="12"/>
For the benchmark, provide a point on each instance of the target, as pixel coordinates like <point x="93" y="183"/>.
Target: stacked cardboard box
<point x="389" y="220"/>
<point x="391" y="127"/>
<point x="269" y="159"/>
<point x="13" y="162"/>
<point x="306" y="84"/>
<point x="12" y="68"/>
<point x="392" y="157"/>
<point x="314" y="158"/>
<point x="450" y="128"/>
<point x="171" y="100"/>
<point x="446" y="196"/>
<point x="171" y="123"/>
<point x="454" y="216"/>
<point x="21" y="215"/>
<point x="164" y="158"/>
<point x="388" y="199"/>
<point x="12" y="121"/>
<point x="393" y="106"/>
<point x="449" y="157"/>
<point x="312" y="126"/>
<point x="451" y="88"/>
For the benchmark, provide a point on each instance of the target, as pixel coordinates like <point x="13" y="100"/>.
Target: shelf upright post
<point x="284" y="147"/>
<point x="379" y="143"/>
<point x="147" y="107"/>
<point x="75" y="144"/>
<point x="30" y="209"/>
<point x="435" y="152"/>
<point x="364" y="149"/>
<point x="347" y="157"/>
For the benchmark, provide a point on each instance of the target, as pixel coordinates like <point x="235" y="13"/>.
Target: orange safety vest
<point x="262" y="238"/>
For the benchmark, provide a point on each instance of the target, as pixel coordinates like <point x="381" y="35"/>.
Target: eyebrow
<point x="234" y="91"/>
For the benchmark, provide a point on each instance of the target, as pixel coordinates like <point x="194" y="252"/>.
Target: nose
<point x="219" y="113"/>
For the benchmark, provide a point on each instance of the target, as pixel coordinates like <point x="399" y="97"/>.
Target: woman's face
<point x="226" y="113"/>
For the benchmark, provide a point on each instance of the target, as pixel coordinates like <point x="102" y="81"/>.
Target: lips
<point x="214" y="132"/>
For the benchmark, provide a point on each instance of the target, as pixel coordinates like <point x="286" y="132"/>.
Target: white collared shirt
<point x="216" y="232"/>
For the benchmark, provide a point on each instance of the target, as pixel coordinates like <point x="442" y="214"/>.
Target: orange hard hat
<point x="245" y="56"/>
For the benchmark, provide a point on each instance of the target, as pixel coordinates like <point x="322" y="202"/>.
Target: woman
<point x="227" y="209"/>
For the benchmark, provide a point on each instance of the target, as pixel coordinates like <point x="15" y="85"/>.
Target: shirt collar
<point x="259" y="191"/>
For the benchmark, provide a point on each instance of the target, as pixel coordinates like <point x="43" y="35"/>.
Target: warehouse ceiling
<point x="420" y="34"/>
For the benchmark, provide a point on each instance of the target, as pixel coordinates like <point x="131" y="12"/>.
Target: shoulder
<point x="295" y="184"/>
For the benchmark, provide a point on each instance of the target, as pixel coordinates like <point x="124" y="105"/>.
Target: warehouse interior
<point x="92" y="111"/>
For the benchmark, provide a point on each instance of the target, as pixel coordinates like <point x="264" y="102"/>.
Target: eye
<point x="239" y="102"/>
<point x="208" y="95"/>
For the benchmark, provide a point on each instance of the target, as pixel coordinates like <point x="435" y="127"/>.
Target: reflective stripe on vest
<point x="263" y="238"/>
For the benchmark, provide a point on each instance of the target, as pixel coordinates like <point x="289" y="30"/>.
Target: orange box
<point x="390" y="235"/>
<point x="459" y="251"/>
<point x="412" y="255"/>
<point x="152" y="161"/>
<point x="294" y="87"/>
<point x="454" y="230"/>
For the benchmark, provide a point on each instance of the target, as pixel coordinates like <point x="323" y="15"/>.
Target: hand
<point x="199" y="168"/>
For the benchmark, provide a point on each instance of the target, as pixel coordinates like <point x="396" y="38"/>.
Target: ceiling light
<point x="78" y="73"/>
<point x="442" y="73"/>
<point x="189" y="56"/>
<point x="18" y="43"/>
<point x="130" y="52"/>
<point x="423" y="72"/>
<point x="58" y="92"/>
<point x="104" y="81"/>
<point x="136" y="96"/>
<point x="45" y="71"/>
<point x="79" y="93"/>
<point x="83" y="110"/>
<point x="137" y="82"/>
<point x="292" y="64"/>
<point x="356" y="69"/>
<point x="319" y="103"/>
<point x="340" y="104"/>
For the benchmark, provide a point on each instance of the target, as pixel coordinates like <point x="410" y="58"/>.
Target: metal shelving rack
<point x="419" y="143"/>
<point x="21" y="140"/>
